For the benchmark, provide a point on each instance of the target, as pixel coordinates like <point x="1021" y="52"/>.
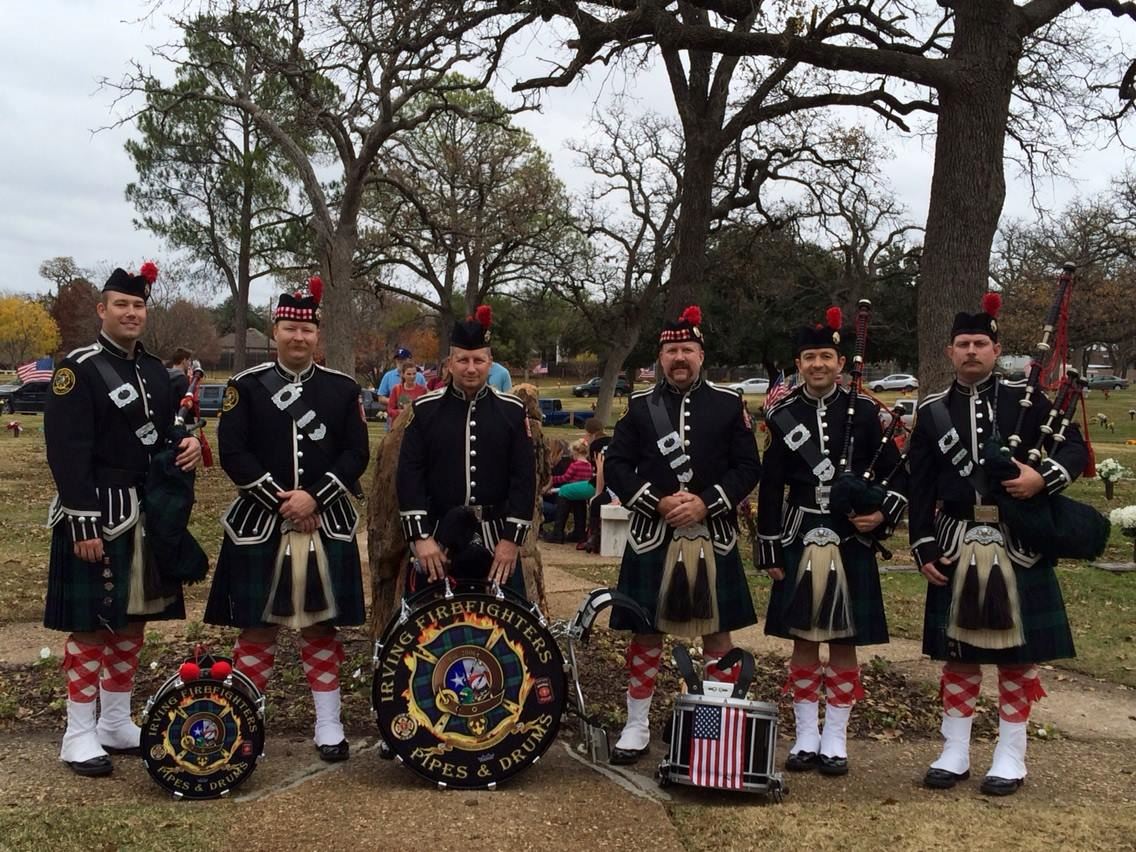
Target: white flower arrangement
<point x="1124" y="517"/>
<point x="1110" y="470"/>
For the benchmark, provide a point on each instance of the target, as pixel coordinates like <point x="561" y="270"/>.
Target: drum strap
<point x="730" y="659"/>
<point x="685" y="668"/>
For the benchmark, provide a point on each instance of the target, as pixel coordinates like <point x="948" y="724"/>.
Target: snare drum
<point x="202" y="736"/>
<point x="469" y="684"/>
<point x="723" y="742"/>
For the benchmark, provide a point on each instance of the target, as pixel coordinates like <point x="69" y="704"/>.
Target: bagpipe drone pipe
<point x="1052" y="525"/>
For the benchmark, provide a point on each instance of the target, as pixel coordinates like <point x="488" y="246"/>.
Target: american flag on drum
<point x="717" y="747"/>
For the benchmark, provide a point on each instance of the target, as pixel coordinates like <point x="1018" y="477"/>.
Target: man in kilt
<point x="822" y="560"/>
<point x="681" y="459"/>
<point x="293" y="438"/>
<point x="109" y="413"/>
<point x="468" y="451"/>
<point x="989" y="599"/>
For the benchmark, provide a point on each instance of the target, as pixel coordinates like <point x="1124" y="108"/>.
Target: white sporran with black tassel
<point x="301" y="593"/>
<point x="820" y="608"/>
<point x="985" y="609"/>
<point x="688" y="600"/>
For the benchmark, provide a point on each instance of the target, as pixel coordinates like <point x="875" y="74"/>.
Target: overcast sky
<point x="61" y="183"/>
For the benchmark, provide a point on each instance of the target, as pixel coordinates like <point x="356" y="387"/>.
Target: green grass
<point x="151" y="827"/>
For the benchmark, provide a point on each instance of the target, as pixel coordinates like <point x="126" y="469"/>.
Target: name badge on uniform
<point x="286" y="395"/>
<point x="124" y="394"/>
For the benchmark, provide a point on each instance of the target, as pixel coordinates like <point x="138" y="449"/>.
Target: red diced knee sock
<point x="82" y="663"/>
<point x="959" y="692"/>
<point x="1018" y="688"/>
<point x="255" y="660"/>
<point x="804" y="682"/>
<point x="842" y="689"/>
<point x="642" y="668"/>
<point x="321" y="657"/>
<point x="120" y="662"/>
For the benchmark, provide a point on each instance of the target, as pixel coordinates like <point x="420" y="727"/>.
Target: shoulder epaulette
<point x="722" y="389"/>
<point x="431" y="396"/>
<point x="259" y="368"/>
<point x="644" y="392"/>
<point x="508" y="397"/>
<point x="785" y="400"/>
<point x="336" y="372"/>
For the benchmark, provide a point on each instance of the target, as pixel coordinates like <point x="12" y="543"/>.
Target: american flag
<point x="540" y="369"/>
<point x="647" y="374"/>
<point x="717" y="747"/>
<point x="778" y="390"/>
<point x="35" y="371"/>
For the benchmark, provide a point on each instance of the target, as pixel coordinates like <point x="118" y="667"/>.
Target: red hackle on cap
<point x="149" y="271"/>
<point x="315" y="287"/>
<point x="484" y="315"/>
<point x="692" y="315"/>
<point x="834" y="317"/>
<point x="991" y="304"/>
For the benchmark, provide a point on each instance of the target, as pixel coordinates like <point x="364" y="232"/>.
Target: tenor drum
<point x="203" y="730"/>
<point x="723" y="742"/>
<point x="469" y="684"/>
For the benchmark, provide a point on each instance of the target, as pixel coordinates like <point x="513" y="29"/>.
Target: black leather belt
<point x="971" y="512"/>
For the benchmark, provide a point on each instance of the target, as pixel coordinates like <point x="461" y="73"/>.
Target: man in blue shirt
<point x="499" y="378"/>
<point x="393" y="376"/>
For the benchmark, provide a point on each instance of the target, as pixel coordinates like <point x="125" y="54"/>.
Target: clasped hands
<point x="433" y="557"/>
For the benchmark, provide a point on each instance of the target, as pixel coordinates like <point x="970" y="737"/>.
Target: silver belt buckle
<point x="822" y="492"/>
<point x="476" y="512"/>
<point x="986" y="514"/>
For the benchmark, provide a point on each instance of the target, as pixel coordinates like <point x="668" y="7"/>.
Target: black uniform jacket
<point x="467" y="452"/>
<point x="825" y="421"/>
<point x="937" y="480"/>
<point x="95" y="453"/>
<point x="316" y="442"/>
<point x="717" y="436"/>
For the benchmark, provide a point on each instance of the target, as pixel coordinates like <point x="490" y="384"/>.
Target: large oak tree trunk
<point x="616" y="357"/>
<point x="338" y="321"/>
<point x="692" y="227"/>
<point x="968" y="187"/>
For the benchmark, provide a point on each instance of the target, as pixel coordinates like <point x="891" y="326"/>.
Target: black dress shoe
<point x="802" y="761"/>
<point x="625" y="756"/>
<point x="131" y="751"/>
<point x="943" y="779"/>
<point x="832" y="765"/>
<point x="93" y="768"/>
<point x="992" y="785"/>
<point x="334" y="753"/>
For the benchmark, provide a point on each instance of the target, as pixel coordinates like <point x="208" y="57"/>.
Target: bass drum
<point x="469" y="684"/>
<point x="203" y="730"/>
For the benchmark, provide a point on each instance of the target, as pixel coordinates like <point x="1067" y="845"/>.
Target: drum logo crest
<point x="469" y="691"/>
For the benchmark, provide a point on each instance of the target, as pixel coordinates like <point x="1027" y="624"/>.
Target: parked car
<point x="552" y="413"/>
<point x="907" y="418"/>
<point x="1108" y="383"/>
<point x="5" y="392"/>
<point x="592" y="387"/>
<point x="209" y="398"/>
<point x="753" y="385"/>
<point x="896" y="381"/>
<point x="30" y="398"/>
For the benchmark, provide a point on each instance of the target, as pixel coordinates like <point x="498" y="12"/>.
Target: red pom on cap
<point x="315" y="287"/>
<point x="149" y="271"/>
<point x="991" y="304"/>
<point x="189" y="671"/>
<point x="484" y="315"/>
<point x="834" y="317"/>
<point x="692" y="315"/>
<point x="220" y="670"/>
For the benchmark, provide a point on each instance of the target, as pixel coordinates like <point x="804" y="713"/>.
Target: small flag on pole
<point x="540" y="369"/>
<point x="717" y="747"/>
<point x="778" y="390"/>
<point x="35" y="371"/>
<point x="647" y="374"/>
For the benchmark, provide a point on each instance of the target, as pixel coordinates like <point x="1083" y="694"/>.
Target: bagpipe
<point x="168" y="502"/>
<point x="1052" y="525"/>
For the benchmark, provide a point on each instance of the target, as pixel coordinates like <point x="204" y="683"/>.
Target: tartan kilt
<point x="865" y="596"/>
<point x="243" y="580"/>
<point x="77" y="598"/>
<point x="1044" y="622"/>
<point x="640" y="575"/>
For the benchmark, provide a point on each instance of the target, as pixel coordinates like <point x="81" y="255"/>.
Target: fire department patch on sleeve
<point x="229" y="402"/>
<point x="63" y="382"/>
